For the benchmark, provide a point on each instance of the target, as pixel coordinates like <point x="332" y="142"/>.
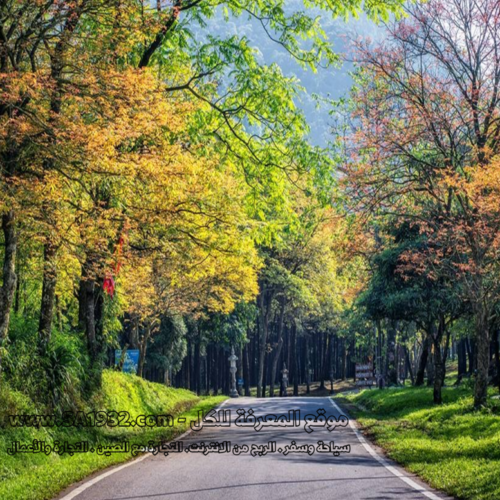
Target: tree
<point x="33" y="56"/>
<point x="398" y="292"/>
<point x="427" y="101"/>
<point x="155" y="165"/>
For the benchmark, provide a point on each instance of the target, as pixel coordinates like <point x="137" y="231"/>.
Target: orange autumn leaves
<point x="120" y="158"/>
<point x="186" y="252"/>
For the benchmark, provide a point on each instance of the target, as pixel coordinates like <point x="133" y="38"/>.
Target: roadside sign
<point x="364" y="375"/>
<point x="131" y="360"/>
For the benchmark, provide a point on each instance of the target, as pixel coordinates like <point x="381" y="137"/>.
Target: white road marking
<point x="383" y="461"/>
<point x="85" y="486"/>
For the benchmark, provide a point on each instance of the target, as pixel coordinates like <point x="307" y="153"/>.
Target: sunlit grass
<point x="40" y="477"/>
<point x="451" y="446"/>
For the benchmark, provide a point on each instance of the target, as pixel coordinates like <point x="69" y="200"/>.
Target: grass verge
<point x="41" y="477"/>
<point x="452" y="447"/>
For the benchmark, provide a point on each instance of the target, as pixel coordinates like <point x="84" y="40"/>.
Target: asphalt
<point x="359" y="474"/>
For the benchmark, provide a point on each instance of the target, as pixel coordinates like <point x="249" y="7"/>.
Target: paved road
<point x="188" y="476"/>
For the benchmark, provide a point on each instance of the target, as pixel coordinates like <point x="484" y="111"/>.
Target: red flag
<point x="109" y="285"/>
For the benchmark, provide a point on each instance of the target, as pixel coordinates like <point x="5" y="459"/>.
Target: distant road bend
<point x="361" y="474"/>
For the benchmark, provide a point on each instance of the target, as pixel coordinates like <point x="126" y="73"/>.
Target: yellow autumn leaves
<point x="122" y="165"/>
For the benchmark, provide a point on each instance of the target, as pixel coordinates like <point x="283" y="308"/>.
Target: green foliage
<point x="399" y="293"/>
<point x="170" y="344"/>
<point x="52" y="377"/>
<point x="62" y="371"/>
<point x="228" y="330"/>
<point x="251" y="114"/>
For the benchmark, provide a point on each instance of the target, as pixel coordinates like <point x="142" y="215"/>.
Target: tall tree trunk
<point x="274" y="366"/>
<point x="206" y="379"/>
<point x="471" y="349"/>
<point x="496" y="347"/>
<point x="189" y="381"/>
<point x="17" y="295"/>
<point x="438" y="373"/>
<point x="344" y="360"/>
<point x="422" y="363"/>
<point x="446" y="352"/>
<point x="225" y="372"/>
<point x="391" y="368"/>
<point x="209" y="368"/>
<point x="482" y="354"/>
<point x="277" y="349"/>
<point x="307" y="364"/>
<point x="252" y="348"/>
<point x="266" y="374"/>
<point x="294" y="367"/>
<point x="246" y="370"/>
<point x="215" y="372"/>
<point x="430" y="367"/>
<point x="197" y="365"/>
<point x="90" y="315"/>
<point x="409" y="366"/>
<point x="143" y="347"/>
<point x="379" y="364"/>
<point x="439" y="361"/>
<point x="49" y="255"/>
<point x="330" y="360"/>
<point x="264" y="308"/>
<point x="325" y="356"/>
<point x="8" y="287"/>
<point x="48" y="294"/>
<point x="462" y="359"/>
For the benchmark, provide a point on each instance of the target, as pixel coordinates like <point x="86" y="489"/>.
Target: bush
<point x="51" y="377"/>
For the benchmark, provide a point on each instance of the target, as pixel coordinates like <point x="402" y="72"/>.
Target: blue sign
<point x="131" y="360"/>
<point x="241" y="381"/>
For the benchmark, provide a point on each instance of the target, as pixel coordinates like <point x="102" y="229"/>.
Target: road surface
<point x="361" y="474"/>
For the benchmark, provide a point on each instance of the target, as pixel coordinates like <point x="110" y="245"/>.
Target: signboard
<point x="364" y="368"/>
<point x="131" y="360"/>
<point x="365" y="383"/>
<point x="364" y="375"/>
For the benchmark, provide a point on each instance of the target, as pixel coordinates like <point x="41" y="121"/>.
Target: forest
<point x="161" y="193"/>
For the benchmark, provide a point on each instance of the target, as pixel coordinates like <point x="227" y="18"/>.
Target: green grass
<point x="40" y="477"/>
<point x="452" y="447"/>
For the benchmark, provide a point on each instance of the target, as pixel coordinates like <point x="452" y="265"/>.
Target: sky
<point x="332" y="83"/>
